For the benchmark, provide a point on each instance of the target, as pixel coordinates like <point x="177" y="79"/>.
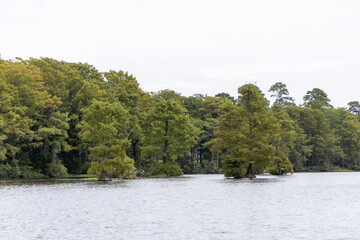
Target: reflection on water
<point x="257" y="180"/>
<point x="298" y="206"/>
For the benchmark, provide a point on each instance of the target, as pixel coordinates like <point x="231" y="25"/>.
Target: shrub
<point x="187" y="169"/>
<point x="198" y="169"/>
<point x="114" y="167"/>
<point x="168" y="169"/>
<point x="36" y="175"/>
<point x="56" y="170"/>
<point x="28" y="172"/>
<point x="6" y="171"/>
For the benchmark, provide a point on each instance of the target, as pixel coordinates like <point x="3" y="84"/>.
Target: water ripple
<point x="298" y="206"/>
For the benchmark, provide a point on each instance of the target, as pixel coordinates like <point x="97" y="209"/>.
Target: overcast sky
<point x="197" y="46"/>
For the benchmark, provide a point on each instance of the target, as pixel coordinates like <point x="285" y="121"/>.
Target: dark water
<point x="301" y="206"/>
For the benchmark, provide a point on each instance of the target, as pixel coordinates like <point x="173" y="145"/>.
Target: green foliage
<point x="244" y="135"/>
<point x="168" y="169"/>
<point x="283" y="140"/>
<point x="56" y="170"/>
<point x="281" y="93"/>
<point x="302" y="149"/>
<point x="6" y="171"/>
<point x="103" y="130"/>
<point x="114" y="167"/>
<point x="167" y="94"/>
<point x="198" y="169"/>
<point x="346" y="127"/>
<point x="126" y="90"/>
<point x="317" y="99"/>
<point x="354" y="107"/>
<point x="169" y="131"/>
<point x="226" y="96"/>
<point x="28" y="172"/>
<point x="35" y="175"/>
<point x="54" y="112"/>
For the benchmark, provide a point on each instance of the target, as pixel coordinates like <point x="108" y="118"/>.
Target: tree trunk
<point x="249" y="172"/>
<point x="166" y="143"/>
<point x="14" y="162"/>
<point x="44" y="152"/>
<point x="53" y="155"/>
<point x="135" y="152"/>
<point x="104" y="176"/>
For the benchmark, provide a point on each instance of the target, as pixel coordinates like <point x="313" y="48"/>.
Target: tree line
<point x="58" y="117"/>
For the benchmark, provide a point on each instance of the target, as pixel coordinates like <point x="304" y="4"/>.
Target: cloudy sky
<point x="197" y="46"/>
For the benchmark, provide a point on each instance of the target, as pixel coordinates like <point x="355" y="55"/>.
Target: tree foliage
<point x="316" y="99"/>
<point x="102" y="128"/>
<point x="281" y="94"/>
<point x="244" y="134"/>
<point x="169" y="131"/>
<point x="58" y="117"/>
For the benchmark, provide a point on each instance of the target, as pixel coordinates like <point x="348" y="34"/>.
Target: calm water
<point x="301" y="206"/>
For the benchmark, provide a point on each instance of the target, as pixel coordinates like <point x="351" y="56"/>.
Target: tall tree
<point x="31" y="107"/>
<point x="204" y="111"/>
<point x="354" y="107"/>
<point x="169" y="133"/>
<point x="5" y="106"/>
<point x="244" y="134"/>
<point x="281" y="94"/>
<point x="283" y="140"/>
<point x="317" y="99"/>
<point x="345" y="126"/>
<point x="302" y="148"/>
<point x="103" y="128"/>
<point x="322" y="138"/>
<point x="226" y="96"/>
<point x="350" y="143"/>
<point x="125" y="89"/>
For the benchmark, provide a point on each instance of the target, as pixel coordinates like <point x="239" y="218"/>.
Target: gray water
<point x="298" y="206"/>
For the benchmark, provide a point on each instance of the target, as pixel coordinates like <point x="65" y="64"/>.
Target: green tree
<point x="52" y="136"/>
<point x="244" y="134"/>
<point x="280" y="91"/>
<point x="53" y="75"/>
<point x="169" y="133"/>
<point x="167" y="94"/>
<point x="5" y="106"/>
<point x="125" y="89"/>
<point x="322" y="138"/>
<point x="31" y="106"/>
<point x="350" y="143"/>
<point x="283" y="140"/>
<point x="345" y="126"/>
<point x="194" y="105"/>
<point x="86" y="95"/>
<point x="17" y="132"/>
<point x="226" y="96"/>
<point x="317" y="99"/>
<point x="302" y="148"/>
<point x="354" y="107"/>
<point x="103" y="128"/>
<point x="204" y="112"/>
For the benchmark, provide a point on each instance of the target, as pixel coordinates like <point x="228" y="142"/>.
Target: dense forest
<point x="58" y="117"/>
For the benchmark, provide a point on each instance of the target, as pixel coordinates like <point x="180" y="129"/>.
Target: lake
<point x="298" y="206"/>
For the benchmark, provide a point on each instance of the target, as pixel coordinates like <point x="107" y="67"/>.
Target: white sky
<point x="197" y="46"/>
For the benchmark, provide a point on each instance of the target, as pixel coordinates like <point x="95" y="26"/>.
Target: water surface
<point x="298" y="206"/>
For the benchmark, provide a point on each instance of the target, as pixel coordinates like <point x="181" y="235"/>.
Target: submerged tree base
<point x="244" y="176"/>
<point x="249" y="172"/>
<point x="104" y="176"/>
